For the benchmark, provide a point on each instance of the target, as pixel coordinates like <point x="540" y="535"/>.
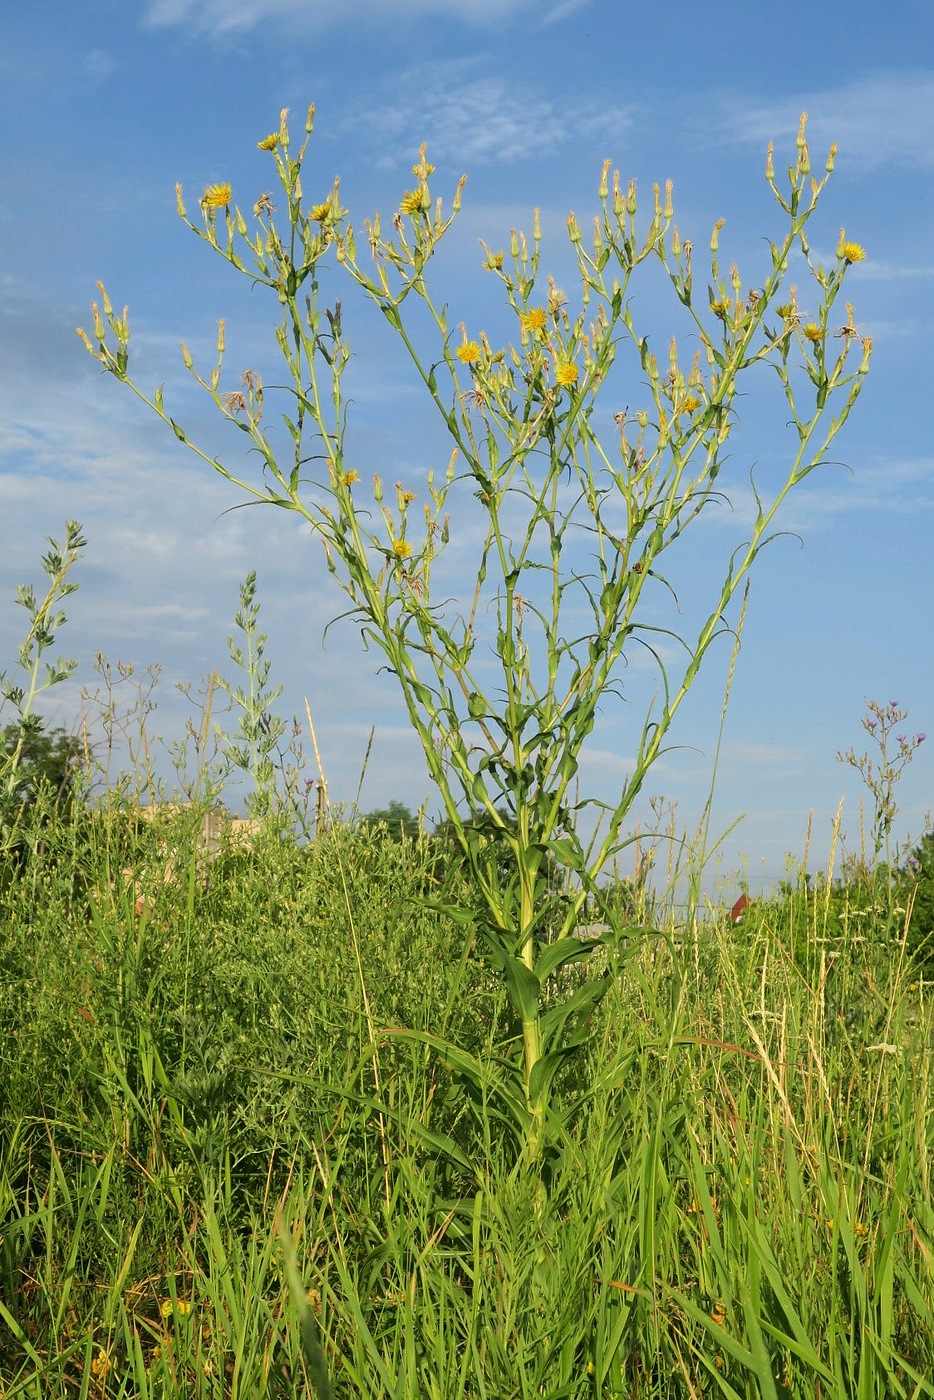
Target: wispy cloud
<point x="883" y="120"/>
<point x="238" y="16"/>
<point x="882" y="487"/>
<point x="97" y="65"/>
<point x="879" y="270"/>
<point x="477" y="117"/>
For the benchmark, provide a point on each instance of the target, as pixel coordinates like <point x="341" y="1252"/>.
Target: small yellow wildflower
<point x="813" y="333"/>
<point x="180" y="1307"/>
<point x="722" y="307"/>
<point x="533" y="320"/>
<point x="101" y="1363"/>
<point x="495" y="261"/>
<point x="350" y="477"/>
<point x="269" y="143"/>
<point x="468" y="353"/>
<point x="690" y="404"/>
<point x="427" y="170"/>
<point x="411" y="202"/>
<point x="860" y="1230"/>
<point x="718" y="1314"/>
<point x="853" y="252"/>
<point x="566" y="373"/>
<point x="216" y="196"/>
<point x="401" y="549"/>
<point x="321" y="213"/>
<point x="408" y="497"/>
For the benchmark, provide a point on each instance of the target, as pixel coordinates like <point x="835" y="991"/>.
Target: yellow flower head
<point x="722" y="307"/>
<point x="350" y="477"/>
<point x="495" y="261"/>
<point x="269" y="143"/>
<point x="216" y="196"/>
<point x="426" y="170"/>
<point x="690" y="404"/>
<point x="533" y="320"/>
<point x="401" y="549"/>
<point x="101" y="1363"/>
<point x="468" y="353"/>
<point x="813" y="333"/>
<point x="566" y="373"/>
<point x="180" y="1307"/>
<point x="322" y="213"/>
<point x="411" y="202"/>
<point x="853" y="252"/>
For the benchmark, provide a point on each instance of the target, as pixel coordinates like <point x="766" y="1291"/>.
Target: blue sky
<point x="106" y="105"/>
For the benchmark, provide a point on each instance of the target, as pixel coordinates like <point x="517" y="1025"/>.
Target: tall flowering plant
<point x="574" y="523"/>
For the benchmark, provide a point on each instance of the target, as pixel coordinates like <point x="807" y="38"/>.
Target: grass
<point x="227" y="1167"/>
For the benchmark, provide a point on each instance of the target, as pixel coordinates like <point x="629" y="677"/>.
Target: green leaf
<point x="562" y="953"/>
<point x="578" y="1005"/>
<point x="544" y="1071"/>
<point x="524" y="987"/>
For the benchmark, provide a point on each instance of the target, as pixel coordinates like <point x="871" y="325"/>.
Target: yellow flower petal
<point x="216" y="196"/>
<point x="468" y="353"/>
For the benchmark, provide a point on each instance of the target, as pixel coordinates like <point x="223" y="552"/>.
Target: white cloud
<point x="879" y="270"/>
<point x="238" y="16"/>
<point x="97" y="65"/>
<point x="474" y="117"/>
<point x="562" y="10"/>
<point x="884" y="120"/>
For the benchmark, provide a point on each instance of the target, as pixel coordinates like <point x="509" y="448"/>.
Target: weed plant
<point x="567" y="522"/>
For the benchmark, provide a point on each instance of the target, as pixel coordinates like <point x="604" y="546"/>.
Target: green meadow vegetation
<point x="335" y="1107"/>
<point x="251" y="1140"/>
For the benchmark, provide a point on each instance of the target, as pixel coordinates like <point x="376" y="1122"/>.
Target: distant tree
<point x="452" y="863"/>
<point x="35" y="762"/>
<point x="916" y="884"/>
<point x="38" y="777"/>
<point x="397" y="818"/>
